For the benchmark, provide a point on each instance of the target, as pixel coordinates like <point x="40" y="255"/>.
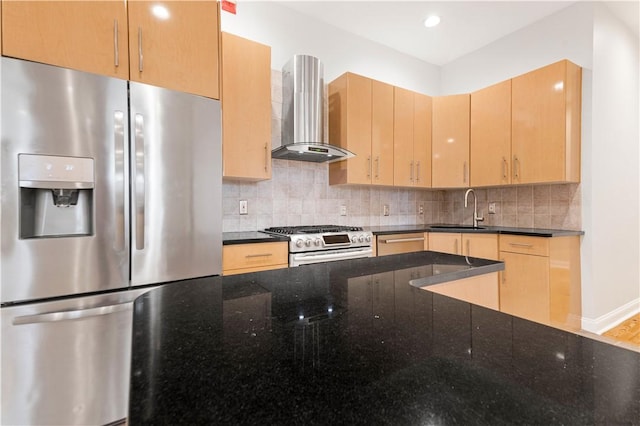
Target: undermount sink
<point x="465" y="227"/>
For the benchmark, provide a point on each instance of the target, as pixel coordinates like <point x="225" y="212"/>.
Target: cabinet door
<point x="484" y="246"/>
<point x="246" y="98"/>
<point x="403" y="165"/>
<point x="382" y="133"/>
<point x="174" y="44"/>
<point x="350" y="128"/>
<point x="422" y="113"/>
<point x="524" y="286"/>
<point x="546" y="124"/>
<point x="83" y="35"/>
<point x="491" y="135"/>
<point x="450" y="164"/>
<point x="445" y="242"/>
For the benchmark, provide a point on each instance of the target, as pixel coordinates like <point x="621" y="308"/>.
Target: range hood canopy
<point x="303" y="114"/>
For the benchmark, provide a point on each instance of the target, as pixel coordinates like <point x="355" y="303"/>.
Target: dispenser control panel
<point x="55" y="169"/>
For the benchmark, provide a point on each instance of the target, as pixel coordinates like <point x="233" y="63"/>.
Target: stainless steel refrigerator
<point x="108" y="186"/>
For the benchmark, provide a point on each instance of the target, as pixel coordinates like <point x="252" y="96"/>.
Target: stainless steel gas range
<point x="325" y="243"/>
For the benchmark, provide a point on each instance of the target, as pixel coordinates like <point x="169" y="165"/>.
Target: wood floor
<point x="628" y="331"/>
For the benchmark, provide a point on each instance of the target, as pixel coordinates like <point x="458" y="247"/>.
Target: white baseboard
<point x="611" y="319"/>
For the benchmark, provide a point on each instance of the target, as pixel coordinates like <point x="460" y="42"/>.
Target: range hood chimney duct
<point x="303" y="114"/>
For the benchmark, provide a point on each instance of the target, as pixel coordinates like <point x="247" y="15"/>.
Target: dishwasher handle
<point x="401" y="240"/>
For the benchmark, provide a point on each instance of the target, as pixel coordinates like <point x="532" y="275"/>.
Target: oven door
<point x="297" y="259"/>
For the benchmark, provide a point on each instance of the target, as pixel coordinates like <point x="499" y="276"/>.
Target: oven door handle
<point x="315" y="257"/>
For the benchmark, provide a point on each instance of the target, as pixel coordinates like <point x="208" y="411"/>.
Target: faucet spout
<point x="476" y="218"/>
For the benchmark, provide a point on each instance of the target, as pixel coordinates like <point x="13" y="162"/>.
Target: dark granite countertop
<point x="533" y="232"/>
<point x="249" y="237"/>
<point x="353" y="342"/>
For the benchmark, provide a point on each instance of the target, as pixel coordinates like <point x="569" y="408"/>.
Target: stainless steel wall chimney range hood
<point x="303" y="114"/>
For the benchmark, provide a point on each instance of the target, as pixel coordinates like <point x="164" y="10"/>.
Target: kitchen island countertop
<point x="353" y="342"/>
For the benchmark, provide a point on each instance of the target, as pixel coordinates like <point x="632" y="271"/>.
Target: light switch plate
<point x="492" y="208"/>
<point x="244" y="207"/>
<point x="343" y="210"/>
<point x="385" y="210"/>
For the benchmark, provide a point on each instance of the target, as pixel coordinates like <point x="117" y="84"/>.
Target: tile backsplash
<point x="299" y="194"/>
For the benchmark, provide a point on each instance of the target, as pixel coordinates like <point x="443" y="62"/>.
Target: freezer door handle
<point x="139" y="181"/>
<point x="72" y="315"/>
<point x="118" y="136"/>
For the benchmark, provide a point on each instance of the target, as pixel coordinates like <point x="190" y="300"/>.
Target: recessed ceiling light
<point x="432" y="21"/>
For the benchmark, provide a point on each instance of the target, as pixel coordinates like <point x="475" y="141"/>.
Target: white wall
<point x="289" y="32"/>
<point x="588" y="34"/>
<point x="564" y="35"/>
<point x="611" y="247"/>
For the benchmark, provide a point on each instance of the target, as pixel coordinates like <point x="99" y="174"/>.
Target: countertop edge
<point x="532" y="232"/>
<point x="458" y="275"/>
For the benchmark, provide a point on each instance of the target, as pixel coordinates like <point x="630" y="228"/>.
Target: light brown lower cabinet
<point x="253" y="257"/>
<point x="541" y="280"/>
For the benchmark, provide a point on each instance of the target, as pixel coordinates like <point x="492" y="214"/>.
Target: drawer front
<point x="538" y="246"/>
<point x="400" y="243"/>
<point x="254" y="256"/>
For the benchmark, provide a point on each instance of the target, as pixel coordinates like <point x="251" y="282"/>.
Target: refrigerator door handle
<point x="119" y="156"/>
<point x="72" y="315"/>
<point x="139" y="180"/>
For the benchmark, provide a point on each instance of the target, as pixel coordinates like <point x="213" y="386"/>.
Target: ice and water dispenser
<point x="56" y="196"/>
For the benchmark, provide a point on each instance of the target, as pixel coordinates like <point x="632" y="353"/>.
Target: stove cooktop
<point x="311" y="229"/>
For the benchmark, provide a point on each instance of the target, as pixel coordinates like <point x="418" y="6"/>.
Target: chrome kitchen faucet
<point x="476" y="218"/>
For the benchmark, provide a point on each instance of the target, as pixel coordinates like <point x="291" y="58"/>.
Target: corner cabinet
<point x="88" y="36"/>
<point x="246" y="109"/>
<point x="412" y="125"/>
<point x="361" y="121"/>
<point x="546" y="117"/>
<point x="170" y="44"/>
<point x="490" y="138"/>
<point x="450" y="161"/>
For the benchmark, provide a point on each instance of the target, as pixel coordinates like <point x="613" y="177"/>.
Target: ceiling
<point x="398" y="24"/>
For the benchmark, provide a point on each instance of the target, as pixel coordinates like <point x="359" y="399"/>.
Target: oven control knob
<point x="299" y="243"/>
<point x="307" y="243"/>
<point x="317" y="242"/>
<point x="354" y="239"/>
<point x="368" y="238"/>
<point x="361" y="238"/>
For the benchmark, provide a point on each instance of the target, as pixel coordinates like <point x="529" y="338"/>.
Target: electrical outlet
<point x="343" y="210"/>
<point x="244" y="207"/>
<point x="385" y="210"/>
<point x="421" y="209"/>
<point x="492" y="208"/>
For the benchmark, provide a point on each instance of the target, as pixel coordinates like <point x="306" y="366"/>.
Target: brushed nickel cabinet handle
<point x="411" y="172"/>
<point x="140" y="56"/>
<point x="464" y="172"/>
<point x="377" y="167"/>
<point x="521" y="245"/>
<point x="258" y="255"/>
<point x="516" y="167"/>
<point x="369" y="167"/>
<point x="504" y="168"/>
<point x="266" y="158"/>
<point x="116" y="53"/>
<point x="418" y="171"/>
<point x="401" y="240"/>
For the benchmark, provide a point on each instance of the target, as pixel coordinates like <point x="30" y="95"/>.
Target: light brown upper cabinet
<point x="84" y="35"/>
<point x="412" y="139"/>
<point x="450" y="161"/>
<point x="546" y="114"/>
<point x="246" y="109"/>
<point x="174" y="44"/>
<point x="171" y="44"/>
<point x="361" y="121"/>
<point x="491" y="135"/>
